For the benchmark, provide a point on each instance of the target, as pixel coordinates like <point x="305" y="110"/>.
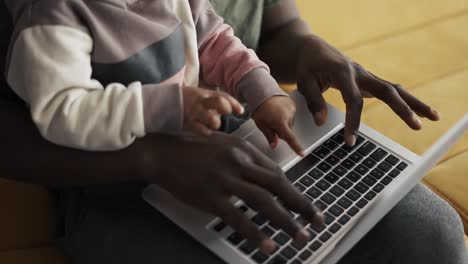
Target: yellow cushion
<point x="448" y="179"/>
<point x="27" y="216"/>
<point x="46" y="255"/>
<point x="351" y="23"/>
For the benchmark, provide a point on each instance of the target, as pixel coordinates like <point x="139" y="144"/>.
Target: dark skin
<point x="315" y="66"/>
<point x="230" y="165"/>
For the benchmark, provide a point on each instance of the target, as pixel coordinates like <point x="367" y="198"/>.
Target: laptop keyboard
<point x="338" y="179"/>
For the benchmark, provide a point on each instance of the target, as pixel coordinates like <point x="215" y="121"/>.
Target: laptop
<point x="354" y="186"/>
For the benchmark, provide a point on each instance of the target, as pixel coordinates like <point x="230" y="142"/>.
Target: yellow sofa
<point x="418" y="43"/>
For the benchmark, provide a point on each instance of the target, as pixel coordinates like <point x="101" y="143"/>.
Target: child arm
<point x="50" y="68"/>
<point x="227" y="63"/>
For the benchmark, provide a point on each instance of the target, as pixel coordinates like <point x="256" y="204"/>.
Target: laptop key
<point x="288" y="252"/>
<point x="345" y="184"/>
<point x="384" y="166"/>
<point x="344" y="202"/>
<point x="353" y="211"/>
<point x="353" y="195"/>
<point x="336" y="210"/>
<point x="366" y="148"/>
<point x="321" y="205"/>
<point x="314" y="192"/>
<point x="338" y="137"/>
<point x="259" y="220"/>
<point x="340" y="153"/>
<point x="361" y="187"/>
<point x="307" y="181"/>
<point x="324" y="237"/>
<point x="394" y="173"/>
<point x="235" y="238"/>
<point x="325" y="167"/>
<point x="344" y="219"/>
<point x="348" y="163"/>
<point x="379" y="154"/>
<point x="337" y="190"/>
<point x="321" y="152"/>
<point x="219" y="226"/>
<point x="328" y="218"/>
<point x="323" y="185"/>
<point x="386" y="180"/>
<point x="361" y="203"/>
<point x="392" y="160"/>
<point x="315" y="173"/>
<point x="281" y="238"/>
<point x="402" y="166"/>
<point x="278" y="259"/>
<point x="328" y="198"/>
<point x="378" y="188"/>
<point x="370" y="195"/>
<point x="333" y="160"/>
<point x="378" y="174"/>
<point x="268" y="231"/>
<point x="339" y="170"/>
<point x="334" y="228"/>
<point x="331" y="177"/>
<point x="305" y="255"/>
<point x="330" y="144"/>
<point x="317" y="228"/>
<point x="369" y="163"/>
<point x="260" y="257"/>
<point x="356" y="157"/>
<point x="353" y="176"/>
<point x="361" y="169"/>
<point x="369" y="180"/>
<point x="247" y="247"/>
<point x="301" y="167"/>
<point x="314" y="246"/>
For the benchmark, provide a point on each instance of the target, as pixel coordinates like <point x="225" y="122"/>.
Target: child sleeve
<point x="50" y="69"/>
<point x="225" y="62"/>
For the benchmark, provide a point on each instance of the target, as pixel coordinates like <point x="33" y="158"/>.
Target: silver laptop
<point x="354" y="186"/>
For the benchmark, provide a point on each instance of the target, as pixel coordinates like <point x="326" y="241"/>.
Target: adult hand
<point x="208" y="171"/>
<point x="275" y="118"/>
<point x="321" y="66"/>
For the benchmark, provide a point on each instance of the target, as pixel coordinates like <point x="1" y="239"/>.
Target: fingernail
<point x="352" y="140"/>
<point x="268" y="246"/>
<point x="318" y="117"/>
<point x="417" y="120"/>
<point x="436" y="113"/>
<point x="273" y="145"/>
<point x="242" y="110"/>
<point x="318" y="218"/>
<point x="302" y="235"/>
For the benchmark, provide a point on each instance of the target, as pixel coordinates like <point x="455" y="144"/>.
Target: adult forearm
<point x="26" y="156"/>
<point x="279" y="48"/>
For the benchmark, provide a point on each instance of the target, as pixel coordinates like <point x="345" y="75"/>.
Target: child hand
<point x="275" y="118"/>
<point x="203" y="109"/>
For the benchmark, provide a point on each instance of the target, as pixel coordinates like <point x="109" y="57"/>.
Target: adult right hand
<point x="205" y="172"/>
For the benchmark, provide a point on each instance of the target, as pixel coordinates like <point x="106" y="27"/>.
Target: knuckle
<point x="389" y="91"/>
<point x="399" y="86"/>
<point x="405" y="110"/>
<point x="356" y="101"/>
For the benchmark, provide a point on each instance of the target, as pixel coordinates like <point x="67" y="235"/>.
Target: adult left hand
<point x="321" y="66"/>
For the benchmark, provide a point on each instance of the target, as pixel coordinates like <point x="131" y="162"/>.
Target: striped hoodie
<point x="96" y="74"/>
